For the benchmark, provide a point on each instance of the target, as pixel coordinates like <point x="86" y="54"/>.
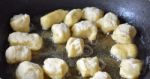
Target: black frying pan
<point x="135" y="12"/>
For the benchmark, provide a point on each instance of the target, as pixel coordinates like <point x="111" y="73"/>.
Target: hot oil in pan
<point x="100" y="47"/>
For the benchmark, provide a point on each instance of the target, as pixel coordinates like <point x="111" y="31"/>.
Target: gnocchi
<point x="108" y="23"/>
<point x="51" y="18"/>
<point x="55" y="68"/>
<point x="88" y="66"/>
<point x="101" y="75"/>
<point x="20" y="23"/>
<point x="61" y="33"/>
<point x="124" y="33"/>
<point x="124" y="51"/>
<point x="33" y="41"/>
<point x="130" y="68"/>
<point x="15" y="54"/>
<point x="29" y="70"/>
<point x="75" y="47"/>
<point x="70" y="35"/>
<point x="92" y="13"/>
<point x="73" y="17"/>
<point x="85" y="29"/>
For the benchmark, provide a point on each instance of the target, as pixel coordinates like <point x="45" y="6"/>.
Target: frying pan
<point x="135" y="12"/>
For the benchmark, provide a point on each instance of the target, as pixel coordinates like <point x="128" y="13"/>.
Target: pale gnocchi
<point x="75" y="47"/>
<point x="73" y="17"/>
<point x="130" y="68"/>
<point x="92" y="13"/>
<point x="124" y="51"/>
<point x="16" y="54"/>
<point x="85" y="29"/>
<point x="101" y="75"/>
<point x="88" y="66"/>
<point x="51" y="18"/>
<point x="108" y="23"/>
<point x="124" y="33"/>
<point x="20" y="23"/>
<point x="29" y="70"/>
<point x="55" y="68"/>
<point x="32" y="41"/>
<point x="61" y="33"/>
<point x="74" y="34"/>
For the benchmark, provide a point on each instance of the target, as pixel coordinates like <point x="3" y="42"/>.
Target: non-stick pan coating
<point x="135" y="12"/>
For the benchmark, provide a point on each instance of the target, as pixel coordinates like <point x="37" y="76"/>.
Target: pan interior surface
<point x="100" y="48"/>
<point x="135" y="12"/>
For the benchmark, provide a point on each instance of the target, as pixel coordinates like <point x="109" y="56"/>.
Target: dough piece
<point x="88" y="66"/>
<point x="15" y="54"/>
<point x="75" y="47"/>
<point x="73" y="17"/>
<point x="29" y="70"/>
<point x="124" y="33"/>
<point x="55" y="68"/>
<point x="85" y="29"/>
<point x="92" y="13"/>
<point x="108" y="23"/>
<point x="20" y="23"/>
<point x="130" y="68"/>
<point x="61" y="33"/>
<point x="124" y="51"/>
<point x="51" y="18"/>
<point x="32" y="41"/>
<point x="101" y="75"/>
